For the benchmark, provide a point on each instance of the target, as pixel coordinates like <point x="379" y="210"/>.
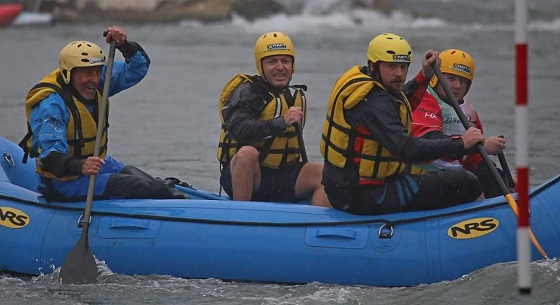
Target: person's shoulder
<point x="255" y="85"/>
<point x="244" y="81"/>
<point x="377" y="93"/>
<point x="243" y="88"/>
<point x="468" y="103"/>
<point x="51" y="105"/>
<point x="247" y="92"/>
<point x="53" y="99"/>
<point x="429" y="99"/>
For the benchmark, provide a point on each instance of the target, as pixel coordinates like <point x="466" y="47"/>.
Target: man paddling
<point x="436" y="118"/>
<point x="62" y="114"/>
<point x="260" y="142"/>
<point x="366" y="139"/>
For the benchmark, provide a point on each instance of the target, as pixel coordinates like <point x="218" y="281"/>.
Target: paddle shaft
<point x="505" y="167"/>
<point x="509" y="198"/>
<point x="100" y="130"/>
<point x="79" y="266"/>
<point x="466" y="124"/>
<point x="302" y="151"/>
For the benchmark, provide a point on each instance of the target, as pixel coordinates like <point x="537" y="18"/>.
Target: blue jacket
<point x="50" y="117"/>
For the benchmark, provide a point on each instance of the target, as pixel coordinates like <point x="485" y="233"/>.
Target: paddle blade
<point x="79" y="267"/>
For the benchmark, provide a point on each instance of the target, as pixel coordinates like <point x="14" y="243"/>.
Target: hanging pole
<point x="522" y="151"/>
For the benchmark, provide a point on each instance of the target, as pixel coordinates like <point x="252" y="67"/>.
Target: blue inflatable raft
<point x="208" y="236"/>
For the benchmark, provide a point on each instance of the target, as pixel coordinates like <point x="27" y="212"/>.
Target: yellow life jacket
<point x="341" y="142"/>
<point x="274" y="152"/>
<point x="81" y="130"/>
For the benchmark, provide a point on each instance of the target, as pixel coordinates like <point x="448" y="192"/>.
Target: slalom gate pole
<point x="522" y="151"/>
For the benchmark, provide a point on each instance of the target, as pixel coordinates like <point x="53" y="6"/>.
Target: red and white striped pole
<point x="522" y="151"/>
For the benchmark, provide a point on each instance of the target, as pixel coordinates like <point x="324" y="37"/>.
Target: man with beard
<point x="366" y="141"/>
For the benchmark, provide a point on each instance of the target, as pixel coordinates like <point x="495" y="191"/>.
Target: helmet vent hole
<point x="391" y="52"/>
<point x="84" y="60"/>
<point x="85" y="54"/>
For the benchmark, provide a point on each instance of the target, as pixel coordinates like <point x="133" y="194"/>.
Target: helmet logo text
<point x="462" y="68"/>
<point x="93" y="61"/>
<point x="401" y="58"/>
<point x="276" y="46"/>
<point x="473" y="228"/>
<point x="13" y="218"/>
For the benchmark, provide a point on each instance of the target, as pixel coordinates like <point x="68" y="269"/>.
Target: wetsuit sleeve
<point x="415" y="89"/>
<point x="48" y="121"/>
<point x="130" y="72"/>
<point x="62" y="165"/>
<point x="242" y="116"/>
<point x="381" y="117"/>
<point x="129" y="49"/>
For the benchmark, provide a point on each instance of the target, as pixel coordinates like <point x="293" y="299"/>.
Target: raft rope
<point x="386" y="222"/>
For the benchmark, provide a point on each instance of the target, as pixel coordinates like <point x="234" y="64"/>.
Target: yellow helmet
<point x="79" y="54"/>
<point x="389" y="48"/>
<point x="456" y="62"/>
<point x="273" y="43"/>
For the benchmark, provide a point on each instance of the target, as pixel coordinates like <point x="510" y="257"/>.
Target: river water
<point x="169" y="125"/>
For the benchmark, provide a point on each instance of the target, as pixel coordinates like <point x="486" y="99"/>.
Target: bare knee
<point x="320" y="198"/>
<point x="245" y="172"/>
<point x="246" y="156"/>
<point x="310" y="176"/>
<point x="308" y="184"/>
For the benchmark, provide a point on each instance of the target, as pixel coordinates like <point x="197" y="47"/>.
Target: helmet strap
<point x="65" y="76"/>
<point x="374" y="71"/>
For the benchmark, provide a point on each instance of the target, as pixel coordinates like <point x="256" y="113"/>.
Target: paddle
<point x="505" y="168"/>
<point x="303" y="152"/>
<point x="79" y="267"/>
<point x="509" y="198"/>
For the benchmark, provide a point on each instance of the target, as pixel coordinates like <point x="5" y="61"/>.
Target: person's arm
<point x="382" y="119"/>
<point x="242" y="116"/>
<point x="415" y="89"/>
<point x="62" y="165"/>
<point x="492" y="145"/>
<point x="130" y="72"/>
<point x="48" y="122"/>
